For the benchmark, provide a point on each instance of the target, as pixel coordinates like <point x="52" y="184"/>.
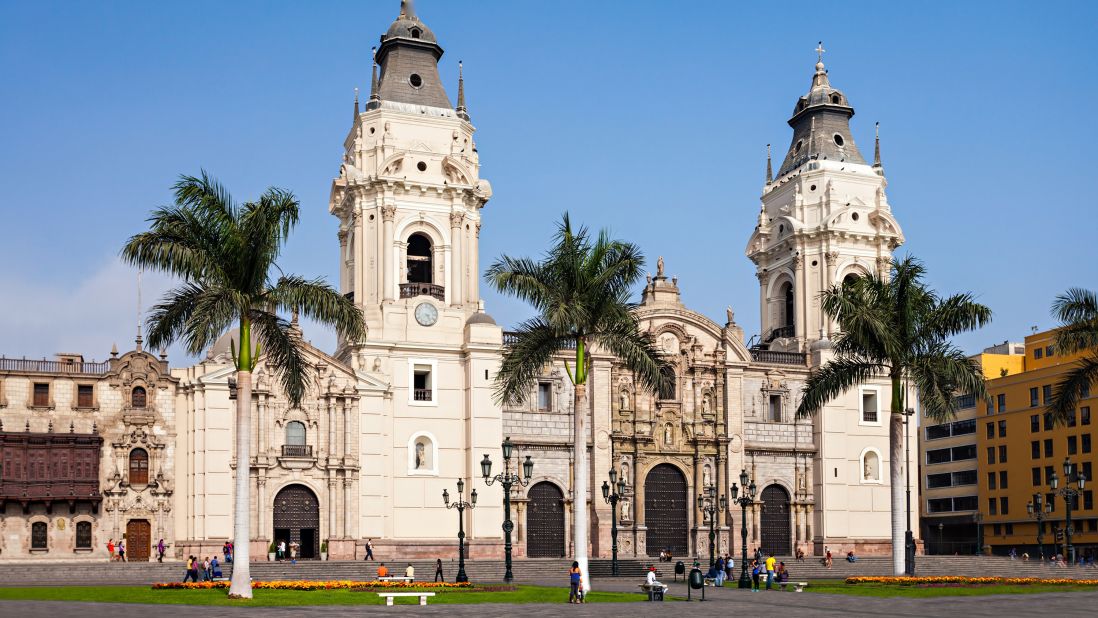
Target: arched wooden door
<point x="138" y="540"/>
<point x="545" y="521"/>
<point x="775" y="521"/>
<point x="665" y="510"/>
<point x="297" y="520"/>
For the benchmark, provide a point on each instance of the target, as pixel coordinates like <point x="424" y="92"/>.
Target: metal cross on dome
<point x="820" y="51"/>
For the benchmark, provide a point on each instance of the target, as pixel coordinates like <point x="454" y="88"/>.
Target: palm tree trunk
<point x="896" y="465"/>
<point x="579" y="495"/>
<point x="241" y="585"/>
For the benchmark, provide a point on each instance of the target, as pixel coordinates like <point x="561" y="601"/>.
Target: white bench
<point x="388" y="596"/>
<point x="396" y="578"/>
<point x="800" y="586"/>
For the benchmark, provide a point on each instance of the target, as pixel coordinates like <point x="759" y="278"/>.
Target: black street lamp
<point x="941" y="543"/>
<point x="612" y="499"/>
<point x="1070" y="495"/>
<point x="748" y="497"/>
<point x="1034" y="508"/>
<point x="507" y="478"/>
<point x="711" y="505"/>
<point x="460" y="505"/>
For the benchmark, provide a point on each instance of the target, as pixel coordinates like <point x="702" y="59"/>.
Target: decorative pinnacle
<point x="375" y="98"/>
<point x="461" y="110"/>
<point x="820" y="52"/>
<point x="356" y="101"/>
<point x="407" y="9"/>
<point x="769" y="169"/>
<point x="877" y="145"/>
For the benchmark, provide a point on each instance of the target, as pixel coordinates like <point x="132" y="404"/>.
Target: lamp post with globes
<point x="506" y="479"/>
<point x="1069" y="494"/>
<point x="460" y="505"/>
<point x="1038" y="508"/>
<point x="747" y="498"/>
<point x="711" y="505"/>
<point x="612" y="498"/>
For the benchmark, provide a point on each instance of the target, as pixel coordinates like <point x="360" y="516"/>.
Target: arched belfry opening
<point x="419" y="259"/>
<point x="788" y="323"/>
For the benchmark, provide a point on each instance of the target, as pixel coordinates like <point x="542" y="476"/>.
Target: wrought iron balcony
<point x="781" y="332"/>
<point x="777" y="358"/>
<point x="47" y="366"/>
<point x="411" y="290"/>
<point x="297" y="450"/>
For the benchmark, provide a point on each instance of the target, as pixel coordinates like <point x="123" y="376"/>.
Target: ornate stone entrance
<point x="774" y="521"/>
<point x="545" y="521"/>
<point x="138" y="540"/>
<point x="297" y="520"/>
<point x="665" y="510"/>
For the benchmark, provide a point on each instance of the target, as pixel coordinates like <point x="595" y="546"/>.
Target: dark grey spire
<point x="769" y="170"/>
<point x="408" y="56"/>
<point x="821" y="124"/>
<point x="356" y="103"/>
<point x="375" y="98"/>
<point x="462" y="112"/>
<point x="877" y="146"/>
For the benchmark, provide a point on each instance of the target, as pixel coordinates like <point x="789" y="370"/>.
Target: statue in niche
<point x="624" y="473"/>
<point x="624" y="399"/>
<point x="624" y="510"/>
<point x="707" y="476"/>
<point x="705" y="404"/>
<point x="421" y="456"/>
<point x="870" y="467"/>
<point x="667" y="433"/>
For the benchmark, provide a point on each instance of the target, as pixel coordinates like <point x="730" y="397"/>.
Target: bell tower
<point x="823" y="217"/>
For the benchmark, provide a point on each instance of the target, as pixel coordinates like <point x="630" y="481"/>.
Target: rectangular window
<point x="545" y="396"/>
<point x="41" y="395"/>
<point x="1084" y="415"/>
<point x="992" y="506"/>
<point x="1033" y="397"/>
<point x="1049" y="351"/>
<point x="996" y="529"/>
<point x="1002" y="479"/>
<point x="1036" y="477"/>
<point x="964" y="477"/>
<point x="1086" y="445"/>
<point x="422" y="387"/>
<point x="965" y="401"/>
<point x="83" y="535"/>
<point x="1071" y="419"/>
<point x="990" y="430"/>
<point x="39" y="535"/>
<point x="1048" y="422"/>
<point x="1002" y="429"/>
<point x="1048" y="447"/>
<point x="937" y="456"/>
<point x="1002" y="453"/>
<point x="84" y="396"/>
<point x="1038" y="353"/>
<point x="991" y="480"/>
<point x="935" y="481"/>
<point x="1046" y="394"/>
<point x="965" y="503"/>
<point x="776" y="408"/>
<point x="1050" y="500"/>
<point x="1035" y="423"/>
<point x="1000" y="400"/>
<point x="1073" y="445"/>
<point x="1087" y="470"/>
<point x="991" y="454"/>
<point x="1084" y="391"/>
<point x="960" y="428"/>
<point x="937" y="432"/>
<point x="1009" y="529"/>
<point x="869" y="407"/>
<point x="1048" y="475"/>
<point x="1004" y="505"/>
<point x="1088" y="500"/>
<point x="1035" y="449"/>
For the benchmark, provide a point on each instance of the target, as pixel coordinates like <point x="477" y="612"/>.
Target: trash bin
<point x="695" y="581"/>
<point x="680" y="569"/>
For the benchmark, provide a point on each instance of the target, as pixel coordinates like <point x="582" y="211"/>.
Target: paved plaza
<point x="722" y="601"/>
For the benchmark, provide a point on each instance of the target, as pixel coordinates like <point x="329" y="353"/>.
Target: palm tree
<point x="581" y="292"/>
<point x="896" y="328"/>
<point x="224" y="252"/>
<point x="1077" y="310"/>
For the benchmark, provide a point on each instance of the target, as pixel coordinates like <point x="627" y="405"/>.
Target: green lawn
<point x="144" y="594"/>
<point x="892" y="590"/>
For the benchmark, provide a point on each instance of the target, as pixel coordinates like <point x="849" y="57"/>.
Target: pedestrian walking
<point x="369" y="549"/>
<point x="281" y="551"/>
<point x="770" y="564"/>
<point x="160" y="547"/>
<point x="438" y="571"/>
<point x="756" y="572"/>
<point x="122" y="551"/>
<point x="192" y="573"/>
<point x="574" y="578"/>
<point x="110" y="550"/>
<point x="206" y="574"/>
<point x="215" y="568"/>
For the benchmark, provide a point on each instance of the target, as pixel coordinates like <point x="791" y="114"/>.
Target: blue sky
<point x="648" y="117"/>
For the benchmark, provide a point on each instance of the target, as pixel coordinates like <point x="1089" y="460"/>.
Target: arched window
<point x="668" y="392"/>
<point x="788" y="321"/>
<point x="295" y="433"/>
<point x="83" y="535"/>
<point x="39" y="538"/>
<point x="139" y="467"/>
<point x="419" y="259"/>
<point x="137" y="397"/>
<point x="836" y="99"/>
<point x="850" y="278"/>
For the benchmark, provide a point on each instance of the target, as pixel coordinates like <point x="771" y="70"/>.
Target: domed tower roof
<point x="821" y="124"/>
<point x="408" y="56"/>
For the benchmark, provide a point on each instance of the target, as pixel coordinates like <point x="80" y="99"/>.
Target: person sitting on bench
<point x="650" y="579"/>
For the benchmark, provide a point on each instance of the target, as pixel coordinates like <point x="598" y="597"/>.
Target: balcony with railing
<point x="510" y="338"/>
<point x="775" y="357"/>
<point x="781" y="332"/>
<point x="421" y="394"/>
<point x="411" y="290"/>
<point x="18" y="365"/>
<point x="297" y="450"/>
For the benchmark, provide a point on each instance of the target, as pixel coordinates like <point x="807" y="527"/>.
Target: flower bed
<point x="970" y="581"/>
<point x="313" y="585"/>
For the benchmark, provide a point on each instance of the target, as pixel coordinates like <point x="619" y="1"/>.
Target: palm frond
<point x="637" y="351"/>
<point x="834" y="378"/>
<point x="534" y="344"/>
<point x="1072" y="387"/>
<point x="318" y="300"/>
<point x="284" y="352"/>
<point x="1077" y="310"/>
<point x="940" y="374"/>
<point x="169" y="318"/>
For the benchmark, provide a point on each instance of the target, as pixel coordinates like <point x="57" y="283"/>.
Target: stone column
<point x="832" y="262"/>
<point x="388" y="213"/>
<point x="263" y="508"/>
<point x="346" y="428"/>
<point x="800" y="298"/>
<point x="474" y="265"/>
<point x="456" y="268"/>
<point x="764" y="316"/>
<point x="333" y="497"/>
<point x="348" y="511"/>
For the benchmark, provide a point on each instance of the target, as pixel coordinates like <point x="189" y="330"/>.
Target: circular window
<point x="371" y="217"/>
<point x="812" y="188"/>
<point x="797" y="148"/>
<point x="421" y="166"/>
<point x="839" y="140"/>
<point x="854" y="216"/>
<point x="814" y="262"/>
<point x="415" y="80"/>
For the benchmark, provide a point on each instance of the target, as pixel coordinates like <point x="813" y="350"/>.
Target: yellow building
<point x="949" y="461"/>
<point x="1019" y="450"/>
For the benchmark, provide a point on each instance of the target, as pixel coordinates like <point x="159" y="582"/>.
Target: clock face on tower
<point x="426" y="314"/>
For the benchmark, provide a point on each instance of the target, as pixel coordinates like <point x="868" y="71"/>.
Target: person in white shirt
<point x="410" y="572"/>
<point x="650" y="579"/>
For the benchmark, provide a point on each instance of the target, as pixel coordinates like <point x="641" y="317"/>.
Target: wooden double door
<point x="138" y="540"/>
